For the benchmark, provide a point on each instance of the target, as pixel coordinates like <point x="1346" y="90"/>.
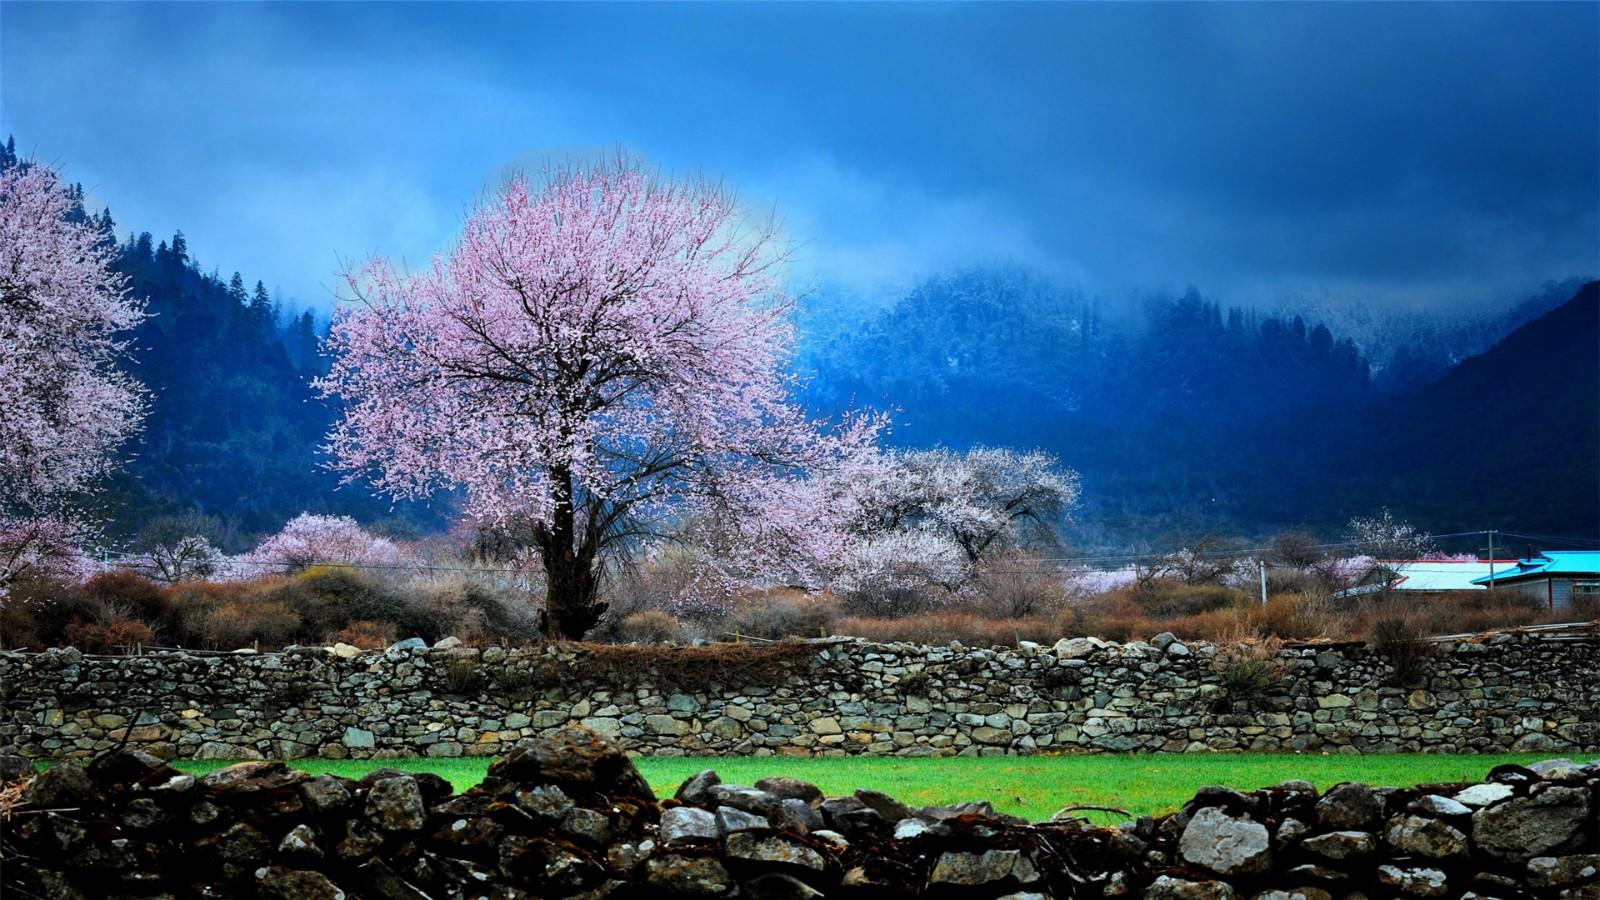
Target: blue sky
<point x="1386" y="153"/>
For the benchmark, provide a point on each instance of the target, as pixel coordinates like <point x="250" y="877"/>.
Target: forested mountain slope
<point x="1187" y="418"/>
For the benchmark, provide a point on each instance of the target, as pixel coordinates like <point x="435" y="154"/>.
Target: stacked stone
<point x="1507" y="692"/>
<point x="570" y="817"/>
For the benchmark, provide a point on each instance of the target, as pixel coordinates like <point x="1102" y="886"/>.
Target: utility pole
<point x="1491" y="559"/>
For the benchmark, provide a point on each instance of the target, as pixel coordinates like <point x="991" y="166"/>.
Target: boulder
<point x="687" y="824"/>
<point x="1226" y="845"/>
<point x="1351" y="806"/>
<point x="1415" y="835"/>
<point x="1535" y="825"/>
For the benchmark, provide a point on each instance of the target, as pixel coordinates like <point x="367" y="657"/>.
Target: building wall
<point x="837" y="697"/>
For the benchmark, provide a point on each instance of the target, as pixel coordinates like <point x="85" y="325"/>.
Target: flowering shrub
<point x="43" y="547"/>
<point x="310" y="540"/>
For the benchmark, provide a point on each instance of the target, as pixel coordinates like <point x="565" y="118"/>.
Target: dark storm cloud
<point x="1401" y="152"/>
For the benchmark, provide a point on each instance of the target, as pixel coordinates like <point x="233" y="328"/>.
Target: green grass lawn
<point x="1033" y="787"/>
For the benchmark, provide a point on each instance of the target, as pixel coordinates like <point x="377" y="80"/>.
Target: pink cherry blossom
<point x="64" y="408"/>
<point x="597" y="352"/>
<point x="309" y="540"/>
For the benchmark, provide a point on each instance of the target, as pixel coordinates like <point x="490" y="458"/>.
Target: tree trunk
<point x="572" y="605"/>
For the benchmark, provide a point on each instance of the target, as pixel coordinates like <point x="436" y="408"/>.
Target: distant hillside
<point x="1506" y="439"/>
<point x="234" y="425"/>
<point x="1187" y="417"/>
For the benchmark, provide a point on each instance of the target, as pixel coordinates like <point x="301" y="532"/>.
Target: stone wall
<point x="1502" y="693"/>
<point x="568" y="816"/>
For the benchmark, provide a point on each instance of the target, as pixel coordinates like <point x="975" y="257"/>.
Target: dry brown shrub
<point x="113" y="634"/>
<point x="650" y="626"/>
<point x="783" y="612"/>
<point x="1116" y="616"/>
<point x="939" y="628"/>
<point x="1400" y="641"/>
<point x="476" y="610"/>
<point x="367" y="634"/>
<point x="1249" y="668"/>
<point x="229" y="615"/>
<point x="1014" y="586"/>
<point x="1169" y="597"/>
<point x="39" y="609"/>
<point x="133" y="593"/>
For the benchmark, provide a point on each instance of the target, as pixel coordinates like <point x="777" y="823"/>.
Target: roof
<point x="1556" y="562"/>
<point x="1428" y="574"/>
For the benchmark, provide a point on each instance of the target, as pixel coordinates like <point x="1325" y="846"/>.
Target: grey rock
<point x="143" y="813"/>
<point x="279" y="883"/>
<point x="360" y="841"/>
<point x="792" y="788"/>
<point x="1163" y="640"/>
<point x="1414" y="835"/>
<point x="695" y="876"/>
<point x="915" y="827"/>
<point x="410" y="643"/>
<point x="1561" y="871"/>
<point x="887" y="807"/>
<point x="240" y="849"/>
<point x="250" y="777"/>
<point x="1349" y="806"/>
<point x="1554" y="768"/>
<point x="587" y="825"/>
<point x="730" y="819"/>
<point x="773" y="849"/>
<point x="1524" y="827"/>
<point x="61" y="786"/>
<point x="1415" y="881"/>
<point x="832" y="838"/>
<point x="1294" y="893"/>
<point x="1290" y="831"/>
<point x="547" y="802"/>
<point x="324" y="794"/>
<point x="1226" y="845"/>
<point x="395" y="804"/>
<point x="697" y="790"/>
<point x="746" y="798"/>
<point x="979" y="808"/>
<point x="1311" y="872"/>
<point x="798" y="816"/>
<point x="1341" y="845"/>
<point x="1483" y="794"/>
<point x="1440" y="807"/>
<point x="1168" y="888"/>
<point x="300" y="841"/>
<point x="684" y="824"/>
<point x="991" y="867"/>
<point x="778" y="886"/>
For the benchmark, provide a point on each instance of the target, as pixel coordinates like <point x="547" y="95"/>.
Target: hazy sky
<point x="1385" y="152"/>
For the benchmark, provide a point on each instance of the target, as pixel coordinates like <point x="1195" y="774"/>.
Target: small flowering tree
<point x="1385" y="537"/>
<point x="43" y="545"/>
<point x="895" y="528"/>
<point x="309" y="540"/>
<point x="64" y="408"/>
<point x="183" y="558"/>
<point x="595" y="354"/>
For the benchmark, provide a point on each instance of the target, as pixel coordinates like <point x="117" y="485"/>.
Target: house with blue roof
<point x="1562" y="578"/>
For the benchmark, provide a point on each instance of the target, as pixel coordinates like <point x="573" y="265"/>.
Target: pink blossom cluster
<point x="48" y="546"/>
<point x="921" y="520"/>
<point x="64" y="408"/>
<point x="598" y="353"/>
<point x="310" y="540"/>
